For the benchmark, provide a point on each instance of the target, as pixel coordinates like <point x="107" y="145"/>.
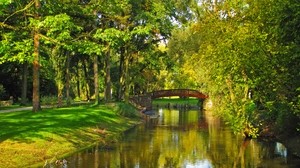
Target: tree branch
<point x="2" y="24"/>
<point x="21" y="10"/>
<point x="50" y="39"/>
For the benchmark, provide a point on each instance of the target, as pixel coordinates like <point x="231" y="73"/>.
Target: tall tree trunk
<point x="78" y="82"/>
<point x="96" y="79"/>
<point x="123" y="92"/>
<point x="126" y="87"/>
<point x="108" y="95"/>
<point x="68" y="79"/>
<point x="85" y="70"/>
<point x="24" y="84"/>
<point x="122" y="75"/>
<point x="231" y="92"/>
<point x="36" y="65"/>
<point x="58" y="65"/>
<point x="246" y="89"/>
<point x="60" y="87"/>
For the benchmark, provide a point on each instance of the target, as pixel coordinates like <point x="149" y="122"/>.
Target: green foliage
<point x="52" y="101"/>
<point x="3" y="5"/>
<point x="285" y="122"/>
<point x="113" y="36"/>
<point x="59" y="28"/>
<point x="77" y="31"/>
<point x="49" y="100"/>
<point x="16" y="48"/>
<point x="238" y="53"/>
<point x="88" y="47"/>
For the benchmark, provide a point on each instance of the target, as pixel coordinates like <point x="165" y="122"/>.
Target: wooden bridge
<point x="145" y="100"/>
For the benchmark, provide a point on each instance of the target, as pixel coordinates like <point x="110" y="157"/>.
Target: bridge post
<point x="200" y="103"/>
<point x="148" y="102"/>
<point x="145" y="101"/>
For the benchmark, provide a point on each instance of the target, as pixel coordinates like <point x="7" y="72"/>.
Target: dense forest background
<point x="245" y="54"/>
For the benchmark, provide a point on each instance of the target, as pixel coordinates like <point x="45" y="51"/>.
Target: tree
<point x="96" y="79"/>
<point x="60" y="27"/>
<point x="36" y="64"/>
<point x="16" y="38"/>
<point x="239" y="60"/>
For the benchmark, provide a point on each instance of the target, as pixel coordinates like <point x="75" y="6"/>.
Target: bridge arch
<point x="145" y="101"/>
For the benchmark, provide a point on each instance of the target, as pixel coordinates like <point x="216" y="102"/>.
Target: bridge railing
<point x="145" y="100"/>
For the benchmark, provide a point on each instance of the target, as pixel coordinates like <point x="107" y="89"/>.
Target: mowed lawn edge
<point x="29" y="139"/>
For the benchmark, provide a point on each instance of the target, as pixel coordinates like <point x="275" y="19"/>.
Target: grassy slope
<point x="28" y="138"/>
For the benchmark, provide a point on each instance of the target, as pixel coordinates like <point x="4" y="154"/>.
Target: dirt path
<point x="21" y="109"/>
<point x="15" y="109"/>
<point x="30" y="107"/>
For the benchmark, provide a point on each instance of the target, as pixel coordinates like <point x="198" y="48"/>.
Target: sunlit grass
<point x="27" y="138"/>
<point x="175" y="101"/>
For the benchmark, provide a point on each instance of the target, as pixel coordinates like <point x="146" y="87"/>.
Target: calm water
<point x="185" y="139"/>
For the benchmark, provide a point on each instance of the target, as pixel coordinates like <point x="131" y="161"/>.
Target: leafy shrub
<point x="49" y="100"/>
<point x="126" y="110"/>
<point x="53" y="101"/>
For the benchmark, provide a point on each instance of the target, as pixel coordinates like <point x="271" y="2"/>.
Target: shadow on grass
<point x="70" y="123"/>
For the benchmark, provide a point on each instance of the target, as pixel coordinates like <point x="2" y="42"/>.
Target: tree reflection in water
<point x="182" y="138"/>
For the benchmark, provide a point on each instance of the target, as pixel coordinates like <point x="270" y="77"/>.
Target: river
<point x="185" y="139"/>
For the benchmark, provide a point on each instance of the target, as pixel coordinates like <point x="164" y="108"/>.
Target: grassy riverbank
<point x="28" y="138"/>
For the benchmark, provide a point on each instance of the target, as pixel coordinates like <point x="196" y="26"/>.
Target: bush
<point x="53" y="101"/>
<point x="49" y="100"/>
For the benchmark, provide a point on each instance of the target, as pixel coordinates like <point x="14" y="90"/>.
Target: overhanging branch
<point x="3" y="25"/>
<point x="51" y="39"/>
<point x="21" y="10"/>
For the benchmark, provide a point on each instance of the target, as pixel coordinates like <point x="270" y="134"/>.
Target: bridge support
<point x="200" y="103"/>
<point x="142" y="101"/>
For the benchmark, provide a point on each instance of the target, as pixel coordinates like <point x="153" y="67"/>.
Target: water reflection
<point x="281" y="150"/>
<point x="187" y="139"/>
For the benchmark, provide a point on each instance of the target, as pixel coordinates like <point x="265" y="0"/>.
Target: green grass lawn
<point x="28" y="138"/>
